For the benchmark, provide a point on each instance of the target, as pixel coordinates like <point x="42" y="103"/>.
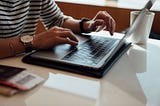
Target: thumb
<point x="97" y="24"/>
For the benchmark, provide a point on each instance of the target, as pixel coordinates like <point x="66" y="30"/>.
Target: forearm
<point x="78" y="26"/>
<point x="72" y="24"/>
<point x="10" y="47"/>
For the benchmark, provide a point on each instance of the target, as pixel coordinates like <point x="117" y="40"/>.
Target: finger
<point x="68" y="34"/>
<point x="56" y="28"/>
<point x="108" y="26"/>
<point x="110" y="23"/>
<point x="111" y="26"/>
<point x="97" y="25"/>
<point x="63" y="29"/>
<point x="101" y="27"/>
<point x="68" y="41"/>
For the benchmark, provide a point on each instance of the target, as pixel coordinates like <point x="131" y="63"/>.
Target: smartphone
<point x="19" y="78"/>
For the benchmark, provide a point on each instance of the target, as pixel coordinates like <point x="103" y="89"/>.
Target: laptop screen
<point x="132" y="27"/>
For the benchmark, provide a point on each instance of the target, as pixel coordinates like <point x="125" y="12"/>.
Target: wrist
<point x="83" y="25"/>
<point x="38" y="39"/>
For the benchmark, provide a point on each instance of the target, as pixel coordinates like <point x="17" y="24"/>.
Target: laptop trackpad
<point x="56" y="52"/>
<point x="59" y="51"/>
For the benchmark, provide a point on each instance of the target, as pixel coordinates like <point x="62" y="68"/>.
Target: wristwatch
<point x="27" y="42"/>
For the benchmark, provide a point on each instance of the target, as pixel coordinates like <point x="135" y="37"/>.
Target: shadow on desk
<point x="123" y="79"/>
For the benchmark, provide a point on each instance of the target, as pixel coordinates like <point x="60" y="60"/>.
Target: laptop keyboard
<point x="91" y="51"/>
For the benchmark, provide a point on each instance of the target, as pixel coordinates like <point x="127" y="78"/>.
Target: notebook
<point x="94" y="56"/>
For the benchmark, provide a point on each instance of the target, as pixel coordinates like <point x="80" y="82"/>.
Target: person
<point x="19" y="18"/>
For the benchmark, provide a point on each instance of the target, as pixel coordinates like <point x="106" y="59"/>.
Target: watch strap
<point x="28" y="48"/>
<point x="81" y="25"/>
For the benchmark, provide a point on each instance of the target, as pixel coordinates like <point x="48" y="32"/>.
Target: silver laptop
<point x="94" y="55"/>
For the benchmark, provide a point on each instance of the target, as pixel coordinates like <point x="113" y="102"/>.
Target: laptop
<point x="94" y="56"/>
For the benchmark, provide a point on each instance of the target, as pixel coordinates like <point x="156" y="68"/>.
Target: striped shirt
<point x="20" y="17"/>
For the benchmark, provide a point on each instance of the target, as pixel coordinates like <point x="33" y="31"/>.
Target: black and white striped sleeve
<point x="51" y="14"/>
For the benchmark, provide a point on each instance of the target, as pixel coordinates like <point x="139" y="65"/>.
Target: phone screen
<point x="7" y="72"/>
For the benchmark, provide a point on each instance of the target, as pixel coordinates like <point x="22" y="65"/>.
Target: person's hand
<point x="102" y="21"/>
<point x="54" y="36"/>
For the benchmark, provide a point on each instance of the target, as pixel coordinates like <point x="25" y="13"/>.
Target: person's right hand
<point x="54" y="36"/>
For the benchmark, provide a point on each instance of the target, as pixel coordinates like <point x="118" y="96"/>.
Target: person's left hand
<point x="102" y="21"/>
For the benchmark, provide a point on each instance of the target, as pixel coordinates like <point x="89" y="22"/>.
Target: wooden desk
<point x="120" y="10"/>
<point x="133" y="81"/>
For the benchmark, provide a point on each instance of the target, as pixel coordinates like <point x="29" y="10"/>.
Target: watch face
<point x="27" y="39"/>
